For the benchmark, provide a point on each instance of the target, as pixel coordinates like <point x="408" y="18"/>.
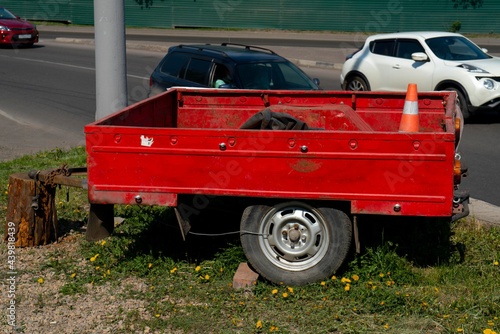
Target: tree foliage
<point x="148" y="3"/>
<point x="466" y="4"/>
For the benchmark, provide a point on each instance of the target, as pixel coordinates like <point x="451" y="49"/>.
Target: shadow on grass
<point x="212" y="230"/>
<point x="422" y="241"/>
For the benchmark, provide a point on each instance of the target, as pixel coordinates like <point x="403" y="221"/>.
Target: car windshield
<point x="5" y="14"/>
<point x="455" y="48"/>
<point x="273" y="75"/>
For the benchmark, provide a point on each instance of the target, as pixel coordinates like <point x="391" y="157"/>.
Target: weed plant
<point x="428" y="277"/>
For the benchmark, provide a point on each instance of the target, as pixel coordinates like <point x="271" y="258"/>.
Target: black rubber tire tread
<point x="339" y="228"/>
<point x="362" y="81"/>
<point x="462" y="102"/>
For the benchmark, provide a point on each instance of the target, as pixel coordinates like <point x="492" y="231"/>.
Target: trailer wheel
<point x="294" y="243"/>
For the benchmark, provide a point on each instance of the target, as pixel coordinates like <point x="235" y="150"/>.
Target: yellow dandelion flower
<point x="157" y="315"/>
<point x="258" y="325"/>
<point x="273" y="329"/>
<point x="97" y="268"/>
<point x="490" y="323"/>
<point x="436" y="289"/>
<point x="150" y="265"/>
<point x="381" y="275"/>
<point x="285" y="295"/>
<point x="386" y="326"/>
<point x="207" y="277"/>
<point x="275" y="291"/>
<point x="460" y="330"/>
<point x="347" y="287"/>
<point x="334" y="278"/>
<point x="172" y="271"/>
<point x="488" y="331"/>
<point x="73" y="275"/>
<point x="323" y="283"/>
<point x="108" y="272"/>
<point x="93" y="258"/>
<point x="103" y="242"/>
<point x="495" y="263"/>
<point x="355" y="277"/>
<point x="290" y="289"/>
<point x="382" y="303"/>
<point x="41" y="280"/>
<point x="198" y="268"/>
<point x="345" y="280"/>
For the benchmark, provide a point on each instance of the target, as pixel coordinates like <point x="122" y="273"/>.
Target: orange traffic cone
<point x="409" y="120"/>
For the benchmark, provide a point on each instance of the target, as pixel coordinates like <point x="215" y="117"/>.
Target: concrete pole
<point x="110" y="56"/>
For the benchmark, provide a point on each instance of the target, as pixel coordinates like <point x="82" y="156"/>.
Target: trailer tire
<point x="294" y="243"/>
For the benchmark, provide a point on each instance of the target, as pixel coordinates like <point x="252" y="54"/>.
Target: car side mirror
<point x="484" y="50"/>
<point x="419" y="56"/>
<point x="316" y="81"/>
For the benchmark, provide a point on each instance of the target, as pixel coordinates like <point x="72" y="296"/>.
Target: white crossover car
<point x="433" y="60"/>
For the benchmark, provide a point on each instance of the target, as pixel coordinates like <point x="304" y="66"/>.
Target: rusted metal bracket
<point x="61" y="176"/>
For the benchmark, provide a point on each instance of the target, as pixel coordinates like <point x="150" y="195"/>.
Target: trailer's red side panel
<point x="189" y="142"/>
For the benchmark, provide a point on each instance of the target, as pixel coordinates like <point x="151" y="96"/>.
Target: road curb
<point x="484" y="211"/>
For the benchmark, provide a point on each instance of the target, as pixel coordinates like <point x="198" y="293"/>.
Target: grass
<point x="444" y="279"/>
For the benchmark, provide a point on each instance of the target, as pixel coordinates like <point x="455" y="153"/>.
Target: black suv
<point x="227" y="66"/>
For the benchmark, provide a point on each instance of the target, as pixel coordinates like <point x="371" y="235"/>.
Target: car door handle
<point x="396" y="66"/>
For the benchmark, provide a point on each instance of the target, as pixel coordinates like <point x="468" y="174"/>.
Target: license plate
<point x="25" y="36"/>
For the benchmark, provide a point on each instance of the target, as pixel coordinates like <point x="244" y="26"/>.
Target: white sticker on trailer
<point x="146" y="141"/>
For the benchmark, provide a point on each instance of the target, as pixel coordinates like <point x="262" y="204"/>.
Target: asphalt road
<point x="47" y="95"/>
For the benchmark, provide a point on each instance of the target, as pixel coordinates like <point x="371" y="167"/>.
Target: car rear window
<point x="174" y="63"/>
<point x="384" y="47"/>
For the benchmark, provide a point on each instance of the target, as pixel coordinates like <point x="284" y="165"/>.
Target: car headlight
<point x="4" y="28"/>
<point x="472" y="68"/>
<point x="488" y="84"/>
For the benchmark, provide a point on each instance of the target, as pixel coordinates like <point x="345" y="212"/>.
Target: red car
<point x="15" y="31"/>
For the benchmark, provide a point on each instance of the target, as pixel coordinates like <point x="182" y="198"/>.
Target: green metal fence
<point x="364" y="16"/>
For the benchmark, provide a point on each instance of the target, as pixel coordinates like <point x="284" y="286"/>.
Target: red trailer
<point x="306" y="164"/>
